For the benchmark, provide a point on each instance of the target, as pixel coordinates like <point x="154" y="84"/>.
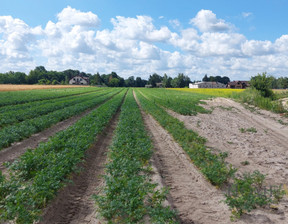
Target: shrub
<point x="263" y="83"/>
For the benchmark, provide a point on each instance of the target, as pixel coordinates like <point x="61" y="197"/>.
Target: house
<point x="206" y="85"/>
<point x="238" y="85"/>
<point x="159" y="84"/>
<point x="79" y="80"/>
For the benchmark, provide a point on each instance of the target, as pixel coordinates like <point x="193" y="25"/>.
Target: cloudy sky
<point x="139" y="37"/>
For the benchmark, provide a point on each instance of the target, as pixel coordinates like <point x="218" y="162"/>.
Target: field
<point x="6" y="87"/>
<point x="119" y="155"/>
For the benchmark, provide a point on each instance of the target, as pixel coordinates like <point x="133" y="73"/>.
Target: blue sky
<point x="234" y="38"/>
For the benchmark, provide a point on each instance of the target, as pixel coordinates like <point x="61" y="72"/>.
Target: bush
<point x="263" y="83"/>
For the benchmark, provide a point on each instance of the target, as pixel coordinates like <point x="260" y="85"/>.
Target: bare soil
<point x="195" y="199"/>
<point x="17" y="149"/>
<point x="74" y="203"/>
<point x="265" y="148"/>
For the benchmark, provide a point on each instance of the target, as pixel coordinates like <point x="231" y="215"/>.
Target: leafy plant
<point x="251" y="130"/>
<point x="128" y="194"/>
<point x="249" y="192"/>
<point x="40" y="173"/>
<point x="213" y="166"/>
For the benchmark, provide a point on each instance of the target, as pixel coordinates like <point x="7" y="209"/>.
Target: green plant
<point x="38" y="174"/>
<point x="263" y="83"/>
<point x="212" y="165"/>
<point x="249" y="192"/>
<point x="128" y="194"/>
<point x="245" y="163"/>
<point x="251" y="130"/>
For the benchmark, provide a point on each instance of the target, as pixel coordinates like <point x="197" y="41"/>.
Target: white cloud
<point x="133" y="46"/>
<point x="256" y="47"/>
<point x="71" y="17"/>
<point x="206" y="21"/>
<point x="246" y="14"/>
<point x="139" y="28"/>
<point x="175" y="23"/>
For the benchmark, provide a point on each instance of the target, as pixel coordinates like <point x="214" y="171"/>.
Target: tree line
<point x="43" y="77"/>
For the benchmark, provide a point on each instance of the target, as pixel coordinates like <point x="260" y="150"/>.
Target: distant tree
<point x="155" y="78"/>
<point x="96" y="79"/>
<point x="225" y="80"/>
<point x="130" y="82"/>
<point x="166" y="81"/>
<point x="114" y="82"/>
<point x="138" y="82"/>
<point x="205" y="78"/>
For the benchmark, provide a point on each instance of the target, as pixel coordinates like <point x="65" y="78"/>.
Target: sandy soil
<point x="195" y="199"/>
<point x="74" y="203"/>
<point x="265" y="150"/>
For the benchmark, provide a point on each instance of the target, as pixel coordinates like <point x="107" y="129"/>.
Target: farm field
<point x="119" y="155"/>
<point x="7" y="87"/>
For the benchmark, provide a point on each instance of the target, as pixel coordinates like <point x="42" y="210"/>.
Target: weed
<point x="245" y="163"/>
<point x="251" y="130"/>
<point x="248" y="192"/>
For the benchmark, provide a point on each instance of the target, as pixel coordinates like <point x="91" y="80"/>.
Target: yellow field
<point x="212" y="91"/>
<point x="4" y="87"/>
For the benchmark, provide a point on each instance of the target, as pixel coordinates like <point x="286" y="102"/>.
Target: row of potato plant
<point x="212" y="165"/>
<point x="15" y="116"/>
<point x="23" y="106"/>
<point x="181" y="102"/>
<point x="25" y="96"/>
<point x="38" y="174"/>
<point x="25" y="129"/>
<point x="244" y="192"/>
<point x="129" y="195"/>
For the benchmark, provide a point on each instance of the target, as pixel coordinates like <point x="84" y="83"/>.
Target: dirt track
<point x="265" y="148"/>
<point x="74" y="204"/>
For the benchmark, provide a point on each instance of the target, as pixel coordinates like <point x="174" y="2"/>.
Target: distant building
<point x="206" y="85"/>
<point x="79" y="80"/>
<point x="238" y="85"/>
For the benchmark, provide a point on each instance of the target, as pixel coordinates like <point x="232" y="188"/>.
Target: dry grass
<point x="5" y="87"/>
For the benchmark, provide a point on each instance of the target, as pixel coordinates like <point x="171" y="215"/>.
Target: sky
<point x="238" y="39"/>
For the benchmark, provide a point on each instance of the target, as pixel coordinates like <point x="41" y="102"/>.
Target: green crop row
<point x="212" y="165"/>
<point x="15" y="116"/>
<point x="25" y="129"/>
<point x="19" y="97"/>
<point x="128" y="194"/>
<point x="244" y="191"/>
<point x="23" y="106"/>
<point x="181" y="102"/>
<point x="38" y="174"/>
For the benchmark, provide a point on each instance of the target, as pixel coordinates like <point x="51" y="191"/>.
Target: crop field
<point x="7" y="87"/>
<point x="140" y="155"/>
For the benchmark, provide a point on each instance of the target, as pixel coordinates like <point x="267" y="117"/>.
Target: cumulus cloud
<point x="139" y="28"/>
<point x="16" y="36"/>
<point x="135" y="46"/>
<point x="71" y="17"/>
<point x="206" y="21"/>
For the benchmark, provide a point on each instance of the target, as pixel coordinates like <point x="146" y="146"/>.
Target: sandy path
<point x="266" y="150"/>
<point x="74" y="204"/>
<point x="195" y="199"/>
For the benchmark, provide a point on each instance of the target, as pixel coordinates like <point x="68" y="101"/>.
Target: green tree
<point x="167" y="81"/>
<point x="263" y="83"/>
<point x="153" y="79"/>
<point x="114" y="82"/>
